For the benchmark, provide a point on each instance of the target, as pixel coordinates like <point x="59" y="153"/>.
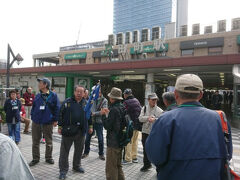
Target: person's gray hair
<point x="78" y="86"/>
<point x="169" y="97"/>
<point x="185" y="96"/>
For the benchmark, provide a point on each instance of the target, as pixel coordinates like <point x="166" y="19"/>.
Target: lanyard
<point x="46" y="100"/>
<point x="190" y="105"/>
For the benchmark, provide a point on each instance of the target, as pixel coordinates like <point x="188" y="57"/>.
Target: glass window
<point x="82" y="61"/>
<point x="188" y="52"/>
<point x="214" y="50"/>
<point x="69" y="61"/>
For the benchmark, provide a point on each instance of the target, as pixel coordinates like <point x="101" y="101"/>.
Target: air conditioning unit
<point x="145" y="35"/>
<point x="120" y="39"/>
<point x="156" y="33"/>
<point x="221" y="26"/>
<point x="235" y="23"/>
<point x="112" y="39"/>
<point x="128" y="37"/>
<point x="207" y="29"/>
<point x="136" y="36"/>
<point x="195" y="29"/>
<point x="170" y="30"/>
<point x="184" y="30"/>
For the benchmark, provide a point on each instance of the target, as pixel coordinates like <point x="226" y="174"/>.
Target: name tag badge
<point x="42" y="108"/>
<point x="15" y="108"/>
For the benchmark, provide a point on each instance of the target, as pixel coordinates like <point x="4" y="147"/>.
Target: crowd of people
<point x="183" y="142"/>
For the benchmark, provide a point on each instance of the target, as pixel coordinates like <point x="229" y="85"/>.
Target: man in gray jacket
<point x="12" y="163"/>
<point x="149" y="114"/>
<point x="101" y="103"/>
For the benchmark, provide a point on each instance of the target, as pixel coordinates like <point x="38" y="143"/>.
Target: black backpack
<point x="126" y="132"/>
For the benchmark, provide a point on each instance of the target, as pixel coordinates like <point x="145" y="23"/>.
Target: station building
<point x="145" y="66"/>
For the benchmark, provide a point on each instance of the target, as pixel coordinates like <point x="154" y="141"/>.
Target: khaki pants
<point x="28" y="111"/>
<point x="113" y="164"/>
<point x="37" y="130"/>
<point x="131" y="149"/>
<point x="26" y="122"/>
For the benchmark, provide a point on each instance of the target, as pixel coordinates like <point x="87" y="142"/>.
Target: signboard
<point x="128" y="77"/>
<point x="150" y="49"/>
<point x="97" y="54"/>
<point x="202" y="43"/>
<point x="82" y="55"/>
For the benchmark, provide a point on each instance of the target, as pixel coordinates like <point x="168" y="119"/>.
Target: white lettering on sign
<point x="200" y="43"/>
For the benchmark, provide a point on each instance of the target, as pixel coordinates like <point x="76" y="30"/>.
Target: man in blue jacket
<point x="44" y="115"/>
<point x="188" y="143"/>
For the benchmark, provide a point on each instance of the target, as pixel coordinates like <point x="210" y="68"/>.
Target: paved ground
<point x="94" y="167"/>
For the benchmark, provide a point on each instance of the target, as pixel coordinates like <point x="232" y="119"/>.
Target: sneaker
<point x="26" y="132"/>
<point x="135" y="160"/>
<point x="102" y="157"/>
<point x="33" y="163"/>
<point x="62" y="176"/>
<point x="145" y="168"/>
<point x="84" y="156"/>
<point x="124" y="162"/>
<point x="50" y="161"/>
<point x="79" y="170"/>
<point x="43" y="141"/>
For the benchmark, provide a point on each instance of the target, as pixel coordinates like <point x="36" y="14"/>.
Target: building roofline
<point x="229" y="59"/>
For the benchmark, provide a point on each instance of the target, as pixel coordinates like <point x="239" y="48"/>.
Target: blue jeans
<point x="14" y="131"/>
<point x="99" y="129"/>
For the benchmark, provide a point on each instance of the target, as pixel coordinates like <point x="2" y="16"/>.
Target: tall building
<point x="3" y="64"/>
<point x="130" y="15"/>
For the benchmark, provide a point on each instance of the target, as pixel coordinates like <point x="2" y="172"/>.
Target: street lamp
<point x="17" y="58"/>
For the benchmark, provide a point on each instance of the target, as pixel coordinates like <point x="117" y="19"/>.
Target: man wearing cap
<point x="45" y="111"/>
<point x="149" y="114"/>
<point x="188" y="142"/>
<point x="29" y="98"/>
<point x="112" y="124"/>
<point x="133" y="108"/>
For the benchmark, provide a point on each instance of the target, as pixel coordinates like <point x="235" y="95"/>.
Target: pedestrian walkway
<point x="94" y="167"/>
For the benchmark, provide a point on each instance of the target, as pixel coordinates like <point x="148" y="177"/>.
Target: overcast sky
<point x="33" y="27"/>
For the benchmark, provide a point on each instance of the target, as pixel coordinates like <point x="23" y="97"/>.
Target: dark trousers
<point x="66" y="144"/>
<point x="99" y="129"/>
<point x="37" y="131"/>
<point x="145" y="158"/>
<point x="113" y="164"/>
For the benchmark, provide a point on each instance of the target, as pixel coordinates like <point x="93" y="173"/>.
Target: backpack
<point x="228" y="173"/>
<point x="126" y="132"/>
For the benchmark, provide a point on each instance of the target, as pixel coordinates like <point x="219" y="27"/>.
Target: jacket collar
<point x="130" y="97"/>
<point x="74" y="100"/>
<point x="116" y="103"/>
<point x="192" y="103"/>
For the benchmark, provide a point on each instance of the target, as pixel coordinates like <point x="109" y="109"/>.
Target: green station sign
<point x="150" y="49"/>
<point x="82" y="55"/>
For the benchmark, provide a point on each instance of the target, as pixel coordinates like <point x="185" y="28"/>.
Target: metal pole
<point x="8" y="65"/>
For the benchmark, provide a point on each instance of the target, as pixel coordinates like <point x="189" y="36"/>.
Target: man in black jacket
<point x="113" y="125"/>
<point x="133" y="108"/>
<point x="73" y="127"/>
